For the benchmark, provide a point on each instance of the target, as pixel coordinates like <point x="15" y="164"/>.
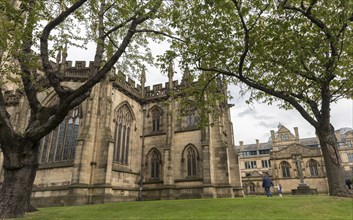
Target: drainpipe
<point x="142" y="154"/>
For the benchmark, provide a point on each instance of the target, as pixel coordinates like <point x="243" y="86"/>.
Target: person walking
<point x="279" y="188"/>
<point x="348" y="183"/>
<point x="266" y="184"/>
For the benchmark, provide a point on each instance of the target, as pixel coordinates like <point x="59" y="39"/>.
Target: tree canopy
<point x="34" y="43"/>
<point x="276" y="44"/>
<point x="296" y="52"/>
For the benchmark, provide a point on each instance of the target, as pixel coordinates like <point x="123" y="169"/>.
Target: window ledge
<point x="189" y="179"/>
<point x="58" y="164"/>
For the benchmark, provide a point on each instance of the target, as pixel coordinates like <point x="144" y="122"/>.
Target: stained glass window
<point x="60" y="144"/>
<point x="122" y="135"/>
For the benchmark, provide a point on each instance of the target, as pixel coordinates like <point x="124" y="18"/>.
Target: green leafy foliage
<point x="272" y="44"/>
<point x="297" y="54"/>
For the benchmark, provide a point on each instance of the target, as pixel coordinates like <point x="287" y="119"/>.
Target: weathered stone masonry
<point x="124" y="133"/>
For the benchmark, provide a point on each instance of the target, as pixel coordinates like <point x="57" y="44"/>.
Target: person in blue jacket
<point x="267" y="183"/>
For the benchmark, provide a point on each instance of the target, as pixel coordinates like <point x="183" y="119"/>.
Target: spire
<point x="170" y="74"/>
<point x="65" y="52"/>
<point x="63" y="59"/>
<point x="186" y="76"/>
<point x="143" y="80"/>
<point x="58" y="57"/>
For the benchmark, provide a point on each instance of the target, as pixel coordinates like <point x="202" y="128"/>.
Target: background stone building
<point x="128" y="142"/>
<point x="287" y="158"/>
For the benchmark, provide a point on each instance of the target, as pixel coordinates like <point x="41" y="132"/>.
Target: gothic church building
<point x="130" y="142"/>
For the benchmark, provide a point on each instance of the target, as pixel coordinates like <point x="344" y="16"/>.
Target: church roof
<point x="262" y="146"/>
<point x="310" y="142"/>
<point x="344" y="130"/>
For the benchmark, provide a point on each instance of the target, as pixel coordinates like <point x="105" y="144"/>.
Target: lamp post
<point x="142" y="153"/>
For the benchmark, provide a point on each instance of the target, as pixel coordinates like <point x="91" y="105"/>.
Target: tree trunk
<point x="16" y="190"/>
<point x="333" y="164"/>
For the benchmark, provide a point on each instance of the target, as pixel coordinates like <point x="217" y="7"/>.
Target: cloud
<point x="267" y="124"/>
<point x="262" y="117"/>
<point x="247" y="112"/>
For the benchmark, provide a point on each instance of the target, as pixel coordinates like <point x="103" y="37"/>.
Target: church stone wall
<point x="93" y="176"/>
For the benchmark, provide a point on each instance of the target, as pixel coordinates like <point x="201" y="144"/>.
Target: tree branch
<point x="48" y="69"/>
<point x="323" y="28"/>
<point x="246" y="39"/>
<point x="116" y="27"/>
<point x="279" y="94"/>
<point x="81" y="93"/>
<point x="160" y="33"/>
<point x="258" y="17"/>
<point x="25" y="60"/>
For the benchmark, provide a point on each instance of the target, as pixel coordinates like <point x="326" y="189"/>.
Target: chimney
<point x="273" y="136"/>
<point x="257" y="144"/>
<point x="241" y="143"/>
<point x="296" y="133"/>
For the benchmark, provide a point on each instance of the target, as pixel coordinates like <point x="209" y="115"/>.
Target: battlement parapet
<point x="12" y="97"/>
<point x="79" y="72"/>
<point x="175" y="82"/>
<point x="128" y="82"/>
<point x="78" y="65"/>
<point x="159" y="91"/>
<point x="128" y="85"/>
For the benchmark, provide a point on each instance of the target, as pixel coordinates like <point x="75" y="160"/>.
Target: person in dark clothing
<point x="266" y="184"/>
<point x="348" y="183"/>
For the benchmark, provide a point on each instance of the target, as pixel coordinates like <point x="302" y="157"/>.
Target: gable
<point x="283" y="129"/>
<point x="283" y="134"/>
<point x="297" y="149"/>
<point x="349" y="135"/>
<point x="256" y="174"/>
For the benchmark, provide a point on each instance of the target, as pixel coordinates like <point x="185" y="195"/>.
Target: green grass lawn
<point x="252" y="207"/>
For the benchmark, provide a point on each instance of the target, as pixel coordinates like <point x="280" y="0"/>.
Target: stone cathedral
<point x="130" y="142"/>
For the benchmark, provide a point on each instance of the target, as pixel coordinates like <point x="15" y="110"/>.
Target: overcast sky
<point x="255" y="122"/>
<point x="249" y="122"/>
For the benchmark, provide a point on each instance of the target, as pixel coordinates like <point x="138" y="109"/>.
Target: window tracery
<point x="155" y="164"/>
<point x="191" y="155"/>
<point x="156" y="120"/>
<point x="122" y="135"/>
<point x="60" y="144"/>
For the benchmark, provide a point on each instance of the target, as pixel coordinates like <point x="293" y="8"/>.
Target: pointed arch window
<point x="313" y="167"/>
<point x="60" y="144"/>
<point x="156" y="120"/>
<point x="190" y="119"/>
<point x="285" y="169"/>
<point x="191" y="161"/>
<point x="155" y="164"/>
<point x="122" y="135"/>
